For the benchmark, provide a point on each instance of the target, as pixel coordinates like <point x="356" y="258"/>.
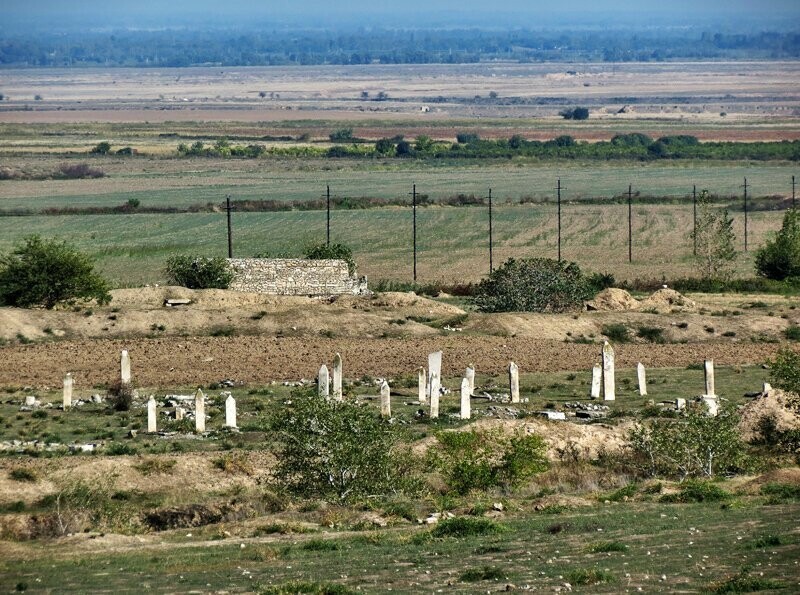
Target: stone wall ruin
<point x="295" y="276"/>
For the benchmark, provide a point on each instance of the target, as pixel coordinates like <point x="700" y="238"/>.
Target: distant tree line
<point x="634" y="146"/>
<point x="176" y="48"/>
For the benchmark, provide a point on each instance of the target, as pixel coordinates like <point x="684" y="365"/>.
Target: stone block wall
<point x="295" y="276"/>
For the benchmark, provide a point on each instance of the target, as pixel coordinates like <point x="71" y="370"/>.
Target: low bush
<point x="120" y="395"/>
<point x="616" y="332"/>
<point x="697" y="491"/>
<point x="466" y="527"/>
<point x="785" y="371"/>
<point x="484" y="573"/>
<point x="532" y="285"/>
<point x="779" y="257"/>
<point x="333" y="252"/>
<point x="199" y="272"/>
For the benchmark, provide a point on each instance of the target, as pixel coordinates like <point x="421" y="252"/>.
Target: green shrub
<point x="337" y="451"/>
<point x="480" y="459"/>
<point x="792" y="332"/>
<point x="466" y="527"/>
<point x="484" y="573"/>
<point x="46" y="273"/>
<point x="616" y="332"/>
<point x="332" y="252"/>
<point x="697" y="491"/>
<point x="741" y="582"/>
<point x="120" y="395"/>
<point x="785" y="371"/>
<point x="116" y="449"/>
<point x="22" y="474"/>
<point x="781" y="492"/>
<point x="199" y="272"/>
<point x="652" y="334"/>
<point x="295" y="587"/>
<point x="591" y="576"/>
<point x="779" y="257"/>
<point x="532" y="285"/>
<point x="696" y="446"/>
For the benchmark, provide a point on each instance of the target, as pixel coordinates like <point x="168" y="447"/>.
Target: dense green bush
<point x="334" y="252"/>
<point x="785" y="371"/>
<point x="337" y="451"/>
<point x="532" y="285"/>
<point x="481" y="459"/>
<point x="199" y="272"/>
<point x="45" y="273"/>
<point x="779" y="257"/>
<point x="696" y="446"/>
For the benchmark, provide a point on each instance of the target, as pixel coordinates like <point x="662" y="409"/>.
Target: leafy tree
<point x="578" y="113"/>
<point x="199" y="272"/>
<point x="423" y="143"/>
<point x="341" y="135"/>
<point x="715" y="239"/>
<point x="779" y="258"/>
<point x="384" y="146"/>
<point x="332" y="252"/>
<point x="532" y="285"/>
<point x="336" y="450"/>
<point x="404" y="149"/>
<point x="697" y="446"/>
<point x="48" y="272"/>
<point x="102" y="148"/>
<point x="785" y="371"/>
<point x="464" y="138"/>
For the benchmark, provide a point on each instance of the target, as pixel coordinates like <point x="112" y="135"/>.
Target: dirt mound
<point x="790" y="475"/>
<point x="613" y="300"/>
<point x="395" y="300"/>
<point x="773" y="404"/>
<point x="665" y="301"/>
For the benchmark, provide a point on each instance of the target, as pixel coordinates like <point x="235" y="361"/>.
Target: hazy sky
<point x="420" y="13"/>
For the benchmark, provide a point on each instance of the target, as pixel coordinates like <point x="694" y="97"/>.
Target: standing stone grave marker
<point x="470" y="376"/>
<point x="422" y="386"/>
<point x="597" y="380"/>
<point x="151" y="415"/>
<point x="434" y="368"/>
<point x="386" y="401"/>
<point x="466" y="411"/>
<point x="680" y="404"/>
<point x="199" y="412"/>
<point x="323" y="382"/>
<point x="434" y="387"/>
<point x="337" y="378"/>
<point x="125" y="367"/>
<point x="513" y="382"/>
<point x="67" y="396"/>
<point x="642" y="375"/>
<point x="708" y="366"/>
<point x="180" y="412"/>
<point x="609" y="383"/>
<point x="230" y="412"/>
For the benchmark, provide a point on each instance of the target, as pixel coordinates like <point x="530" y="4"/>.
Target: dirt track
<point x="259" y="359"/>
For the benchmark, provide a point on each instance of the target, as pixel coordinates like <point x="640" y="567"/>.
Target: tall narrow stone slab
<point x="125" y="367"/>
<point x="337" y="378"/>
<point x="422" y="385"/>
<point x="466" y="406"/>
<point x="151" y="415"/>
<point x="323" y="382"/>
<point x="180" y="413"/>
<point x="199" y="412"/>
<point x="609" y="382"/>
<point x="513" y="382"/>
<point x="642" y="375"/>
<point x="597" y="381"/>
<point x="470" y="376"/>
<point x="67" y="396"/>
<point x="386" y="401"/>
<point x="434" y="395"/>
<point x="709" y="372"/>
<point x="434" y="367"/>
<point x="230" y="412"/>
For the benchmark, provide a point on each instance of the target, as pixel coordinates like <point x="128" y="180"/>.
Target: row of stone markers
<point x="603" y="379"/>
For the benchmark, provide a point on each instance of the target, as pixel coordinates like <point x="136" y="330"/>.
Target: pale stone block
<point x="513" y="381"/>
<point x="470" y="376"/>
<point x="67" y="396"/>
<point x="125" y="367"/>
<point x="151" y="415"/>
<point x="323" y="382"/>
<point x="642" y="375"/>
<point x="597" y="381"/>
<point x="434" y="396"/>
<point x="712" y="405"/>
<point x="708" y="366"/>
<point x="680" y="404"/>
<point x="434" y="368"/>
<point x="422" y="385"/>
<point x="609" y="383"/>
<point x="199" y="412"/>
<point x="386" y="401"/>
<point x="230" y="412"/>
<point x="466" y="410"/>
<point x="337" y="378"/>
<point x="180" y="413"/>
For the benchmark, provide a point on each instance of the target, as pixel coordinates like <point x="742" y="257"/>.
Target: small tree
<point x="341" y="135"/>
<point x="384" y="146"/>
<point x="779" y="258"/>
<point x="335" y="450"/>
<point x="578" y="113"/>
<point x="102" y="148"/>
<point x="785" y="371"/>
<point x="48" y="272"/>
<point x="532" y="285"/>
<point x="199" y="272"/>
<point x="716" y="253"/>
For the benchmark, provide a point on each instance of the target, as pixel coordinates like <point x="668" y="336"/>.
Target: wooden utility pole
<point x="630" y="223"/>
<point x="491" y="260"/>
<point x="229" y="208"/>
<point x="558" y="188"/>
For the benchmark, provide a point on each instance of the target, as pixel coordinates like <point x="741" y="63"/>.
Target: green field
<point x="452" y="241"/>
